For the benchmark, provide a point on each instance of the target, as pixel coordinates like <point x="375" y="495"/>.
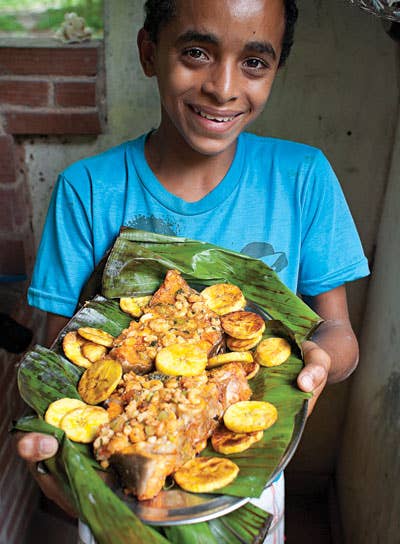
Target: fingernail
<point x="307" y="383"/>
<point x="47" y="446"/>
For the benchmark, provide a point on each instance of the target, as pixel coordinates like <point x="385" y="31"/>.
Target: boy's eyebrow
<point x="196" y="36"/>
<point x="262" y="47"/>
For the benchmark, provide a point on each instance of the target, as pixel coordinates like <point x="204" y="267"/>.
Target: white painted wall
<point x="339" y="92"/>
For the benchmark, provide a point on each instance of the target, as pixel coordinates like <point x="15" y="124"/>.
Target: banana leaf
<point x="110" y="519"/>
<point x="139" y="260"/>
<point x="137" y="265"/>
<point x="248" y="523"/>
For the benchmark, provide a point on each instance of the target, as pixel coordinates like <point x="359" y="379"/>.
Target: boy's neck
<point x="184" y="172"/>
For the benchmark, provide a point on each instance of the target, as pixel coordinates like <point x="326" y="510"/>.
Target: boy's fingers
<point x="316" y="369"/>
<point x="35" y="447"/>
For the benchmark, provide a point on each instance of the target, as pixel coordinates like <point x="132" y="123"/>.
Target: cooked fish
<point x="156" y="425"/>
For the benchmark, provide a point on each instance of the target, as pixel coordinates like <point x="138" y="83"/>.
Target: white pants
<point x="272" y="500"/>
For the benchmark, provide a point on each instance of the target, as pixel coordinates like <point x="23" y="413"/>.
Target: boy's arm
<point x="54" y="325"/>
<point x="332" y="353"/>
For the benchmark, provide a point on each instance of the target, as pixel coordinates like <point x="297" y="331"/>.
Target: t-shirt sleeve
<point x="331" y="250"/>
<point x="65" y="257"/>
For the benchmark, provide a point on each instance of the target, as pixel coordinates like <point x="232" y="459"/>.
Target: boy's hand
<point x="314" y="375"/>
<point x="36" y="447"/>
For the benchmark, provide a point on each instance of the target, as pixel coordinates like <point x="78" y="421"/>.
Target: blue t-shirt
<point x="280" y="202"/>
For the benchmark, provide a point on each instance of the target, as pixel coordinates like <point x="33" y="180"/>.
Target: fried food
<point x="134" y="306"/>
<point x="82" y="424"/>
<point x="72" y="346"/>
<point x="163" y="421"/>
<point x="230" y="357"/>
<point x="97" y="336"/>
<point x="176" y="314"/>
<point x="205" y="474"/>
<point x="272" y="351"/>
<point x="93" y="351"/>
<point x="223" y="298"/>
<point x="182" y="360"/>
<point x="225" y="441"/>
<point x="251" y="369"/>
<point x="250" y="416"/>
<point x="234" y="344"/>
<point x="243" y="325"/>
<point x="59" y="408"/>
<point x="99" y="381"/>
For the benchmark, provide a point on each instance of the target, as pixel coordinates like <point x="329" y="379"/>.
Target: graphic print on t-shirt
<point x="158" y="225"/>
<point x="276" y="260"/>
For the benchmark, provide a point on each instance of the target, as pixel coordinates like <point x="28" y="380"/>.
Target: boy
<point x="199" y="175"/>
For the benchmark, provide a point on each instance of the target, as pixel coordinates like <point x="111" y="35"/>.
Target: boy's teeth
<point x="213" y="117"/>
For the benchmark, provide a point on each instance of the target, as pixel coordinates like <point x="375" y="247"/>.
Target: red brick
<point x="12" y="257"/>
<point x="75" y="93"/>
<point x="7" y="159"/>
<point x="14" y="210"/>
<point x="72" y="60"/>
<point x="24" y="93"/>
<point x="21" y="122"/>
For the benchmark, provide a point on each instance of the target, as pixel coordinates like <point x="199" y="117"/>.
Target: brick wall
<point x="51" y="90"/>
<point x="44" y="90"/>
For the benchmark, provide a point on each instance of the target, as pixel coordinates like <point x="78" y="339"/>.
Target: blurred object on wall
<point x="387" y="9"/>
<point x="73" y="29"/>
<point x="14" y="338"/>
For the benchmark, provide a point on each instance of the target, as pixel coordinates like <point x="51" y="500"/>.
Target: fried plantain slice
<point x="251" y="369"/>
<point x="234" y="344"/>
<point x="248" y="416"/>
<point x="182" y="359"/>
<point x="97" y="336"/>
<point x="134" y="305"/>
<point x="99" y="381"/>
<point x="225" y="441"/>
<point x="230" y="357"/>
<point x="272" y="351"/>
<point x="223" y="298"/>
<point x="205" y="474"/>
<point x="72" y="346"/>
<point x="82" y="424"/>
<point x="243" y="325"/>
<point x="59" y="408"/>
<point x="93" y="351"/>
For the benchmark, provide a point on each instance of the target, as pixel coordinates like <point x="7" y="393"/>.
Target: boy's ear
<point x="146" y="52"/>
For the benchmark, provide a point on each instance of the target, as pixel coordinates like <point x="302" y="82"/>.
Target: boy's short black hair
<point x="160" y="12"/>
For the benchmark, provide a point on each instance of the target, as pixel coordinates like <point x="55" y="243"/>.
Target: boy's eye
<point x="256" y="64"/>
<point x="195" y="53"/>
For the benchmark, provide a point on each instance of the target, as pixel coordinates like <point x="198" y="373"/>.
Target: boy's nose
<point x="221" y="83"/>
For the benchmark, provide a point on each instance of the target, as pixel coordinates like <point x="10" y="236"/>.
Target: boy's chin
<point x="209" y="147"/>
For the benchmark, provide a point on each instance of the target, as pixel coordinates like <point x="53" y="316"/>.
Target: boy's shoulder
<point x="277" y="147"/>
<point x="111" y="161"/>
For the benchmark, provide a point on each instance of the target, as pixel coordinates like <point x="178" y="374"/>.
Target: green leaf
<point x="44" y="376"/>
<point x="247" y="525"/>
<point x="199" y="533"/>
<point x="137" y="265"/>
<point x="110" y="520"/>
<point x="139" y="260"/>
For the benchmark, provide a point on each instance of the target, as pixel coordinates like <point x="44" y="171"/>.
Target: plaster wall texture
<point x="369" y="462"/>
<point x="338" y="92"/>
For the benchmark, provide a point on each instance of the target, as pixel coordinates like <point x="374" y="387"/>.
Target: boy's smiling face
<point x="215" y="63"/>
